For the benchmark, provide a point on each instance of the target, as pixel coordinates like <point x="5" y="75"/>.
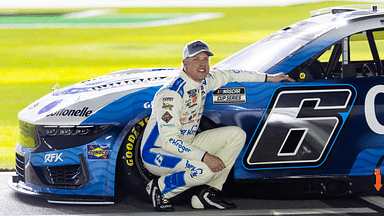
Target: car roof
<point x="325" y="27"/>
<point x="347" y="13"/>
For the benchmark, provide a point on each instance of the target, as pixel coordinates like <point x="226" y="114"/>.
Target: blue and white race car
<point x="320" y="136"/>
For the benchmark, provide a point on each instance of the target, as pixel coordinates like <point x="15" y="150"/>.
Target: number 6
<point x="299" y="127"/>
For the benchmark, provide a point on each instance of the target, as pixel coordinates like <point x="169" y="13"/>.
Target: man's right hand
<point x="213" y="162"/>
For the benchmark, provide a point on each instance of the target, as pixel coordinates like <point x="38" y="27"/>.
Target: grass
<point x="34" y="60"/>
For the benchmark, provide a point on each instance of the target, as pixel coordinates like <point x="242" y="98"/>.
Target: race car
<point x="319" y="136"/>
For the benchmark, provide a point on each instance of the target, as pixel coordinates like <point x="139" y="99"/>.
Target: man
<point x="170" y="148"/>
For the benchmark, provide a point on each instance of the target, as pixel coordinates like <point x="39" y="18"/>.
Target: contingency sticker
<point x="231" y="95"/>
<point x="98" y="152"/>
<point x="166" y="117"/>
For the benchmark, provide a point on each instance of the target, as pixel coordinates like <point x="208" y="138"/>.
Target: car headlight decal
<point x="62" y="137"/>
<point x="72" y="130"/>
<point x="49" y="138"/>
<point x="27" y="135"/>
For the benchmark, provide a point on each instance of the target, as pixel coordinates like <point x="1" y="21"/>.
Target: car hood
<point x="81" y="100"/>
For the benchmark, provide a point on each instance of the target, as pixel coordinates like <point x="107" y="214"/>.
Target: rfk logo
<point x="52" y="158"/>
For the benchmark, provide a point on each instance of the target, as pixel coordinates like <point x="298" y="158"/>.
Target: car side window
<point x="359" y="55"/>
<point x="359" y="48"/>
<point x="326" y="64"/>
<point x="367" y="52"/>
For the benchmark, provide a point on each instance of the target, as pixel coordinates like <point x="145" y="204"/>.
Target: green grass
<point x="34" y="60"/>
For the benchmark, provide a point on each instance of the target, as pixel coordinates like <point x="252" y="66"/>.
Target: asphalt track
<point x="13" y="203"/>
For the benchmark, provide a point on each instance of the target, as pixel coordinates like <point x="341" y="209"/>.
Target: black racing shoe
<point x="159" y="202"/>
<point x="207" y="198"/>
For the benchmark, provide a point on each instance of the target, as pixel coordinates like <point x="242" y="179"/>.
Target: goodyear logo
<point x="98" y="152"/>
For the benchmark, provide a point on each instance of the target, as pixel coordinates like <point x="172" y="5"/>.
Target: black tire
<point x="130" y="165"/>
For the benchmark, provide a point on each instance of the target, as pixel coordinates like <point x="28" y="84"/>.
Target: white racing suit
<point x="170" y="148"/>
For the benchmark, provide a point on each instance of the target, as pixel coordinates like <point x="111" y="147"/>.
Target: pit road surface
<point x="13" y="203"/>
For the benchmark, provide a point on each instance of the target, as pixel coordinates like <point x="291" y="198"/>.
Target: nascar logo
<point x="229" y="95"/>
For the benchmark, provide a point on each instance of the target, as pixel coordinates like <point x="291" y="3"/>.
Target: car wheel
<point x="130" y="165"/>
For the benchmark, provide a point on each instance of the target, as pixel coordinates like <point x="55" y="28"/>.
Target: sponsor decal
<point x="371" y="109"/>
<point x="239" y="71"/>
<point x="194" y="115"/>
<point x="178" y="86"/>
<point x="167" y="106"/>
<point x="159" y="159"/>
<point x="191" y="131"/>
<point x="52" y="158"/>
<point x="147" y="105"/>
<point x="98" y="152"/>
<point x="181" y="91"/>
<point x="85" y="112"/>
<point x="179" y="144"/>
<point x="232" y="95"/>
<point x="190" y="104"/>
<point x="132" y="139"/>
<point x="194" y="171"/>
<point x="166" y="117"/>
<point x="50" y="106"/>
<point x="167" y="125"/>
<point x="192" y="93"/>
<point x="168" y="99"/>
<point x="183" y="120"/>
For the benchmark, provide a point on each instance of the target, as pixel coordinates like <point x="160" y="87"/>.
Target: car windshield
<point x="269" y="51"/>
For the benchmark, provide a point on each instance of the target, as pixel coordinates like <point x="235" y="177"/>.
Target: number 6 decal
<point x="299" y="127"/>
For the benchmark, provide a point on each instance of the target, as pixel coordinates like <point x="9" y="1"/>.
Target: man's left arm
<point x="219" y="78"/>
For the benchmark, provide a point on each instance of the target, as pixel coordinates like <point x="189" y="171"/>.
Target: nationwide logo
<point x="98" y="152"/>
<point x="85" y="112"/>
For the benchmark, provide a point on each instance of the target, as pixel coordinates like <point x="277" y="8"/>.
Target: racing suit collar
<point x="190" y="81"/>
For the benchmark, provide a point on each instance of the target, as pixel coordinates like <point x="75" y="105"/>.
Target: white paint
<point x="183" y="18"/>
<point x="369" y="109"/>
